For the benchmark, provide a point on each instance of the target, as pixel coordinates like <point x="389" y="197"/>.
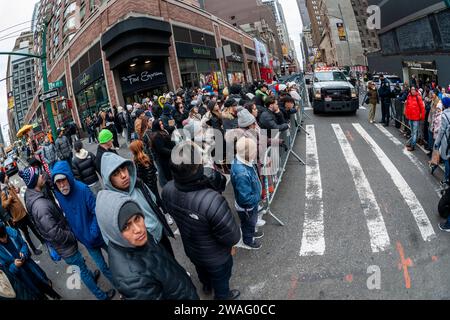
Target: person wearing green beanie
<point x="105" y="139"/>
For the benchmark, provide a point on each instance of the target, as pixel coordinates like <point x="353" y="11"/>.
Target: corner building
<point x="116" y="52"/>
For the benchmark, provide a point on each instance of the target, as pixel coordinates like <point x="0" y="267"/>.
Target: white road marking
<point x="363" y="108"/>
<point x="410" y="155"/>
<point x="422" y="220"/>
<point x="379" y="238"/>
<point x="313" y="240"/>
<point x="308" y="109"/>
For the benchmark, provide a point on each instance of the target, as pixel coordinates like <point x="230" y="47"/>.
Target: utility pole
<point x="43" y="59"/>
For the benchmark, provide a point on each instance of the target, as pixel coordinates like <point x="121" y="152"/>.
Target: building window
<point x="181" y="34"/>
<point x="69" y="25"/>
<point x="82" y="12"/>
<point x="70" y="9"/>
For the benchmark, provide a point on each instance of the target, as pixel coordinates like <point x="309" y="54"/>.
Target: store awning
<point x="136" y="37"/>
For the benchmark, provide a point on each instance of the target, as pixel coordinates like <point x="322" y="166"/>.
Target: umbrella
<point x="24" y="130"/>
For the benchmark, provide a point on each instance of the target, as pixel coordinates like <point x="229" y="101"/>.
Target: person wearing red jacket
<point x="414" y="112"/>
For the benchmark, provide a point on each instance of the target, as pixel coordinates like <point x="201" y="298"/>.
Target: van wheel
<point x="353" y="113"/>
<point x="315" y="111"/>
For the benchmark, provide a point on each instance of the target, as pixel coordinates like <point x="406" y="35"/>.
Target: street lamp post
<point x="43" y="58"/>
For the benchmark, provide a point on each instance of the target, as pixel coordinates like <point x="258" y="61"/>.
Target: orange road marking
<point x="349" y="135"/>
<point x="294" y="283"/>
<point x="349" y="278"/>
<point x="404" y="264"/>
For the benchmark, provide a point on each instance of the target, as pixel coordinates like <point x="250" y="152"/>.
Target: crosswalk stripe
<point x="397" y="142"/>
<point x="313" y="241"/>
<point x="379" y="238"/>
<point x="416" y="208"/>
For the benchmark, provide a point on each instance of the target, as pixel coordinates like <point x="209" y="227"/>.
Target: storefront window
<point x="92" y="98"/>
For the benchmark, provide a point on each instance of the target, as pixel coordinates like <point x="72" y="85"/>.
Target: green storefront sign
<point x="188" y="50"/>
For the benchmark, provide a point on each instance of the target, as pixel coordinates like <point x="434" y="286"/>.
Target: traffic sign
<point x="48" y="95"/>
<point x="56" y="84"/>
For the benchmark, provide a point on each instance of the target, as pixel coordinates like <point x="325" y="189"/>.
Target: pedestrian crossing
<point x="315" y="234"/>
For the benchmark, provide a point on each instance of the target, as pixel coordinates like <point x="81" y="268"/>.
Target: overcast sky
<point x="19" y="11"/>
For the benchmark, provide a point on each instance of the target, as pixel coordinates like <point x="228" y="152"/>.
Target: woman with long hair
<point x="146" y="171"/>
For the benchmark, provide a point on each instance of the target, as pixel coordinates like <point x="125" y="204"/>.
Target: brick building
<point x="116" y="52"/>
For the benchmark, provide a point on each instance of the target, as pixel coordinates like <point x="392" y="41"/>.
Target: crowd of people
<point x="425" y="119"/>
<point x="125" y="207"/>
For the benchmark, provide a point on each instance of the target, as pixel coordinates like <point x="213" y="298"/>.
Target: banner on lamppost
<point x="341" y="31"/>
<point x="10" y="100"/>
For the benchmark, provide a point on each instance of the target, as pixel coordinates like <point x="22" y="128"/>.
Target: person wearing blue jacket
<point x="15" y="257"/>
<point x="247" y="190"/>
<point x="78" y="203"/>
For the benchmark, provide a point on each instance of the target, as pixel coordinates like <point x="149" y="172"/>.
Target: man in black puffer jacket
<point x="84" y="169"/>
<point x="142" y="269"/>
<point x="206" y="223"/>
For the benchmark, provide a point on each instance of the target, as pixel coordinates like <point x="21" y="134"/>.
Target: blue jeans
<point x="447" y="170"/>
<point x="430" y="140"/>
<point x="97" y="256"/>
<point x="414" y="132"/>
<point x="86" y="275"/>
<point x="249" y="218"/>
<point x="217" y="278"/>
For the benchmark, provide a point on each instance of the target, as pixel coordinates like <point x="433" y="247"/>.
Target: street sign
<point x="48" y="95"/>
<point x="56" y="84"/>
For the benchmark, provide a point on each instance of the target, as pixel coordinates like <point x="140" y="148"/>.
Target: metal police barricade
<point x="275" y="161"/>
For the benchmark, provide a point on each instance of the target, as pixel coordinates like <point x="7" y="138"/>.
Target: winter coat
<point x="148" y="175"/>
<point x="84" y="168"/>
<point x="415" y="108"/>
<point x="166" y="117"/>
<point x="437" y="116"/>
<point x="385" y="91"/>
<point x="155" y="220"/>
<point x="51" y="224"/>
<point x="141" y="273"/>
<point x="442" y="142"/>
<point x="63" y="148"/>
<point x="49" y="153"/>
<point x="206" y="223"/>
<point x="434" y="106"/>
<point x="373" y="96"/>
<point x="98" y="158"/>
<point x="270" y="120"/>
<point x="29" y="273"/>
<point x="162" y="146"/>
<point x="246" y="184"/>
<point x="12" y="203"/>
<point x="229" y="121"/>
<point x="79" y="208"/>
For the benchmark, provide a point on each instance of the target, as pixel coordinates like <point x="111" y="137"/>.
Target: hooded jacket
<point x="78" y="207"/>
<point x="83" y="166"/>
<point x="415" y="108"/>
<point x="154" y="219"/>
<point x="207" y="226"/>
<point x="51" y="224"/>
<point x="140" y="273"/>
<point x="63" y="148"/>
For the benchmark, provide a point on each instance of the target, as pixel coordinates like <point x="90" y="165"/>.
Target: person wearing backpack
<point x="414" y="112"/>
<point x="442" y="140"/>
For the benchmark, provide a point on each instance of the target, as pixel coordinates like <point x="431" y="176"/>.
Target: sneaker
<point x="232" y="295"/>
<point x="110" y="294"/>
<point x="410" y="148"/>
<point x="169" y="219"/>
<point x="261" y="210"/>
<point x="260" y="222"/>
<point x="258" y="235"/>
<point x="37" y="252"/>
<point x="442" y="227"/>
<point x="96" y="275"/>
<point x="252" y="246"/>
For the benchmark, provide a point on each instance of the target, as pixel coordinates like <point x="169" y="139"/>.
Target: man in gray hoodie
<point x="119" y="175"/>
<point x="142" y="269"/>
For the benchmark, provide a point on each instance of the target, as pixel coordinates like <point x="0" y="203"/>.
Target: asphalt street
<point x="359" y="224"/>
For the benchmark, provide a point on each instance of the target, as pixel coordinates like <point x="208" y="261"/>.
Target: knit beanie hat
<point x="105" y="136"/>
<point x="245" y="118"/>
<point x="30" y="176"/>
<point x="446" y="102"/>
<point x="128" y="210"/>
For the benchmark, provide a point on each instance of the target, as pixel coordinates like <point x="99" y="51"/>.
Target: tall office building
<point x="316" y="17"/>
<point x="369" y="38"/>
<point x="306" y="21"/>
<point x="21" y="87"/>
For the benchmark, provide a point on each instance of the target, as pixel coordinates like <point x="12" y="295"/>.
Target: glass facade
<point x="201" y="73"/>
<point x="92" y="98"/>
